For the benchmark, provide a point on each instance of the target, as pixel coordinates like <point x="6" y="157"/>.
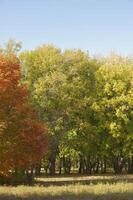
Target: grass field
<point x="73" y="188"/>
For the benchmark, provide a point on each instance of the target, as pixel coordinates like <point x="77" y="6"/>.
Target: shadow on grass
<point x="83" y="182"/>
<point x="71" y="196"/>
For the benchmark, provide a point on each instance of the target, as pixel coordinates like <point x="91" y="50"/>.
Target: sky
<point x="96" y="26"/>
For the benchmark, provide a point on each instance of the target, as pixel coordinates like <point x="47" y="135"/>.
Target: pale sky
<point x="98" y="26"/>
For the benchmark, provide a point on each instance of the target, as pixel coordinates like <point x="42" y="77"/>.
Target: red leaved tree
<point x="22" y="137"/>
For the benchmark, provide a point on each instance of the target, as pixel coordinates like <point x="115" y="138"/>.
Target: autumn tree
<point x="22" y="137"/>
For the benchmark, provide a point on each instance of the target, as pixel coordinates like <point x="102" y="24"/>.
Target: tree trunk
<point x="80" y="164"/>
<point x="130" y="165"/>
<point x="52" y="166"/>
<point x="118" y="165"/>
<point x="60" y="166"/>
<point x="87" y="163"/>
<point x="66" y="165"/>
<point x="97" y="166"/>
<point x="38" y="169"/>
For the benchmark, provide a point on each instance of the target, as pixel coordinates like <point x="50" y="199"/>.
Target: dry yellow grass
<point x="100" y="191"/>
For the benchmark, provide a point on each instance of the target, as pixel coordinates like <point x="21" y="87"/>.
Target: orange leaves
<point x="9" y="72"/>
<point x="22" y="137"/>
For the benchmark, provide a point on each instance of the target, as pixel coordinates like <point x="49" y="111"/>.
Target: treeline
<point x="87" y="104"/>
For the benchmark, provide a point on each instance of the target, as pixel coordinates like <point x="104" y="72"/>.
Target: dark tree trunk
<point x="53" y="153"/>
<point x="97" y="166"/>
<point x="118" y="164"/>
<point x="87" y="164"/>
<point x="60" y="166"/>
<point x="38" y="169"/>
<point x="52" y="166"/>
<point x="66" y="165"/>
<point x="130" y="165"/>
<point x="29" y="177"/>
<point x="80" y="164"/>
<point x="69" y="165"/>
